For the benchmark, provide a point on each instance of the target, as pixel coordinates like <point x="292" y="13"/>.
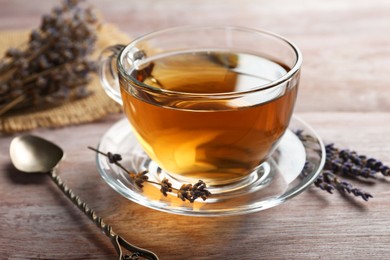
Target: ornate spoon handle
<point x="116" y="240"/>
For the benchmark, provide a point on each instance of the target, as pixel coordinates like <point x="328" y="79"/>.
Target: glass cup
<point x="209" y="103"/>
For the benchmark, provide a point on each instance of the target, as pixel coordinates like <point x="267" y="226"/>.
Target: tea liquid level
<point x="212" y="140"/>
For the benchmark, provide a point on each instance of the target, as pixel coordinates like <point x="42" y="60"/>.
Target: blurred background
<point x="345" y="43"/>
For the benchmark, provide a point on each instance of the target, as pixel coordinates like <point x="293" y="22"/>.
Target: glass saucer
<point x="278" y="179"/>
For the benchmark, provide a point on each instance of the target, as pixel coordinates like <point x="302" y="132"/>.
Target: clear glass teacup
<point x="209" y="103"/>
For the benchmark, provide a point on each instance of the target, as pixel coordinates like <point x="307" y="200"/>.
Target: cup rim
<point x="290" y="73"/>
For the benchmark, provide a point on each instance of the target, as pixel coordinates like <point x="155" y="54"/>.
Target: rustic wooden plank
<point x="308" y="226"/>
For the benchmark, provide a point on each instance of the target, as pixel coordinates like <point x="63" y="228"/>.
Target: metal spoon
<point x="33" y="154"/>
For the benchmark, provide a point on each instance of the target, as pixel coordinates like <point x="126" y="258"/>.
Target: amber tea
<point x="218" y="140"/>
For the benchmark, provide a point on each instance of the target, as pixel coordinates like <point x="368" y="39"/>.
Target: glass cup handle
<point x="108" y="72"/>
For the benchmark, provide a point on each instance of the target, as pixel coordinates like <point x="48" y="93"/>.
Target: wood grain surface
<point x="344" y="95"/>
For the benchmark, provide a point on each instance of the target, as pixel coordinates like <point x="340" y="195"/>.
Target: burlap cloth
<point x="74" y="112"/>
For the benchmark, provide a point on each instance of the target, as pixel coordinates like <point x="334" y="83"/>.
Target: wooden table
<point x="344" y="95"/>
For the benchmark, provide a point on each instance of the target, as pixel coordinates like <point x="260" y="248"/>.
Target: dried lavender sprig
<point x="192" y="192"/>
<point x="324" y="185"/>
<point x="342" y="162"/>
<point x="348" y="168"/>
<point x="166" y="187"/>
<point x="368" y="166"/>
<point x="346" y="162"/>
<point x="54" y="65"/>
<point x="329" y="182"/>
<point x="343" y="185"/>
<point x="186" y="192"/>
<point x="319" y="182"/>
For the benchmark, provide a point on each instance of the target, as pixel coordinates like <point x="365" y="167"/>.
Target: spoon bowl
<point x="32" y="154"/>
